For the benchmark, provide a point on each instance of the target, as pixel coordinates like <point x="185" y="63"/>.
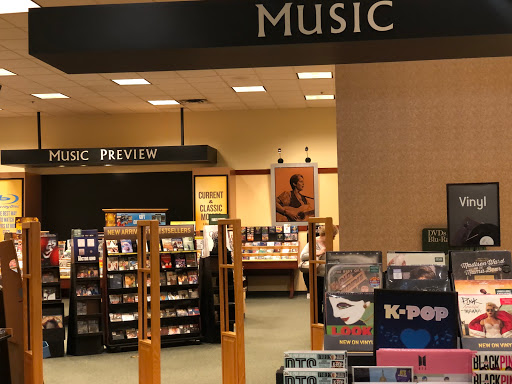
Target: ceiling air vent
<point x="193" y="101"/>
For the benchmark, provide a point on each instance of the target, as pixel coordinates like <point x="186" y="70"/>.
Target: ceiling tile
<point x="5" y="24"/>
<point x="15" y="44"/>
<point x="9" y="55"/>
<point x="13" y="34"/>
<point x="17" y="19"/>
<point x="198" y="73"/>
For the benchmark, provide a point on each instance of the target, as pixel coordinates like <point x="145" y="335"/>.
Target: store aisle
<point x="272" y="325"/>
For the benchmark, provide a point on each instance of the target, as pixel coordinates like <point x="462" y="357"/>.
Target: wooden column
<point x="32" y="304"/>
<point x="149" y="349"/>
<point x="233" y="342"/>
<point x="13" y="304"/>
<point x="317" y="329"/>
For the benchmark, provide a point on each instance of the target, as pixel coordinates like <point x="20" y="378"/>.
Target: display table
<point x="273" y="267"/>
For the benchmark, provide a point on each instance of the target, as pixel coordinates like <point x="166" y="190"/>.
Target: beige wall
<point x="405" y="130"/>
<point x="244" y="139"/>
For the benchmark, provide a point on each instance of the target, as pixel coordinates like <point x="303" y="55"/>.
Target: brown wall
<point x="405" y="130"/>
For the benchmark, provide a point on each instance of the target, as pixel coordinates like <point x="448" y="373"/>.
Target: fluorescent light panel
<point x="131" y="81"/>
<point x="256" y="88"/>
<point x="163" y="102"/>
<point x="5" y="72"/>
<point x="50" y="96"/>
<point x="314" y="75"/>
<point x="319" y="97"/>
<point x="16" y="6"/>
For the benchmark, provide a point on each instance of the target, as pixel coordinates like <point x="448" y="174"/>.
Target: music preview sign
<point x="473" y="214"/>
<point x="11" y="204"/>
<point x="210" y="197"/>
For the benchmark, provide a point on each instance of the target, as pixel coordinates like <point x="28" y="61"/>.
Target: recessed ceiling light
<point x="256" y="88"/>
<point x="61" y="166"/>
<point x="319" y="97"/>
<point x="163" y="102"/>
<point x="50" y="95"/>
<point x="5" y="72"/>
<point x="314" y="75"/>
<point x="17" y="6"/>
<point x="131" y="81"/>
<point x="108" y="165"/>
<point x="83" y="165"/>
<point x="1" y="109"/>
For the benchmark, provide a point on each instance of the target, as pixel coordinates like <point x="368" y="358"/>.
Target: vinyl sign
<point x="210" y="197"/>
<point x="473" y="214"/>
<point x="11" y="204"/>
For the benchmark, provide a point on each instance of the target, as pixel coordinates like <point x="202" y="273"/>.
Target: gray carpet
<point x="272" y="326"/>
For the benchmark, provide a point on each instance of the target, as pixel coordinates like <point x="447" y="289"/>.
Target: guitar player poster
<point x="294" y="189"/>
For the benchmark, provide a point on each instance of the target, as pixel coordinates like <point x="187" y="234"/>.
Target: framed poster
<point x="210" y="197"/>
<point x="294" y="193"/>
<point x="11" y="204"/>
<point x="473" y="214"/>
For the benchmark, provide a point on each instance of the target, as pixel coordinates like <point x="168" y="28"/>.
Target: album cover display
<point x="81" y="308"/>
<point x="481" y="265"/>
<point x="52" y="322"/>
<point x="121" y="274"/>
<point x="91" y="289"/>
<point x="181" y="262"/>
<point x="126" y="246"/>
<point x="493" y="361"/>
<point x="317" y="376"/>
<point x="492" y="287"/>
<point x="415" y="258"/>
<point x="359" y="257"/>
<point x="50" y="293"/>
<point x="167" y="245"/>
<point x="315" y="359"/>
<point x="486" y="316"/>
<point x="50" y="277"/>
<point x="484" y="377"/>
<point x="188" y="243"/>
<point x="421" y="320"/>
<point x="353" y="277"/>
<point x="418" y="278"/>
<point x="349" y="321"/>
<point x="382" y="373"/>
<point x="431" y="365"/>
<point x="82" y="327"/>
<point x="112" y="247"/>
<point x="83" y="271"/>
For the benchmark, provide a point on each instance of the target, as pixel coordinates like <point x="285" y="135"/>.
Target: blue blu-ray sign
<point x="419" y="320"/>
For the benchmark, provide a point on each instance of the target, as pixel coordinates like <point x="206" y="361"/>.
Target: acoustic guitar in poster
<point x="302" y="212"/>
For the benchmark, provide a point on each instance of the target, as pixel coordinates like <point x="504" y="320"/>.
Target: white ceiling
<point x="96" y="93"/>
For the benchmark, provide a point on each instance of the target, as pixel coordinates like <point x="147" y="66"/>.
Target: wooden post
<point x="317" y="329"/>
<point x="32" y="303"/>
<point x="233" y="343"/>
<point x="13" y="303"/>
<point x="149" y="349"/>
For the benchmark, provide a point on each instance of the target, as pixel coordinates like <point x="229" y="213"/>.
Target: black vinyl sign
<point x="110" y="156"/>
<point x="473" y="214"/>
<point x="255" y="33"/>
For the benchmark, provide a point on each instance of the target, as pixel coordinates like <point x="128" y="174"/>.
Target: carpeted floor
<point x="272" y="326"/>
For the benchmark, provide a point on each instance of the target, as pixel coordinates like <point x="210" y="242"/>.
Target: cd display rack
<point x="85" y="336"/>
<point x="178" y="279"/>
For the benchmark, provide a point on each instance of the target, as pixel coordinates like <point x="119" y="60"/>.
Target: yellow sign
<point x="210" y="196"/>
<point x="11" y="204"/>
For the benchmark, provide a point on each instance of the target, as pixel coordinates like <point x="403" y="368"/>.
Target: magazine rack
<point x="32" y="303"/>
<point x="317" y="330"/>
<point x="149" y="349"/>
<point x="233" y="343"/>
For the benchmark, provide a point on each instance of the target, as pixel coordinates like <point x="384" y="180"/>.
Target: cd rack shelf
<point x="179" y="286"/>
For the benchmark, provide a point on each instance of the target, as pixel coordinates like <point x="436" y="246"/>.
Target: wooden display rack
<point x="13" y="305"/>
<point x="317" y="329"/>
<point x="233" y="342"/>
<point x="149" y="349"/>
<point x="32" y="303"/>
